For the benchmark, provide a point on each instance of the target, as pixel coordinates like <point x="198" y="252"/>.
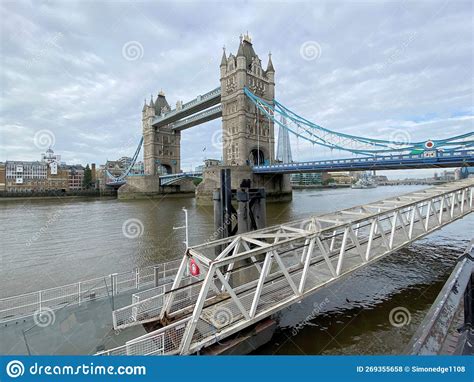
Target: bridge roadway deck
<point x="249" y="277"/>
<point x="381" y="162"/>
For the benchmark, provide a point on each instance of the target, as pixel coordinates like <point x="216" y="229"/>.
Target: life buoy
<point x="429" y="144"/>
<point x="193" y="268"/>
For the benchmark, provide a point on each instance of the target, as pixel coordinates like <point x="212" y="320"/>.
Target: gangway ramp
<point x="251" y="276"/>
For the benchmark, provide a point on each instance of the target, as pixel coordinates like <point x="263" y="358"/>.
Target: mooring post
<point x="216" y="197"/>
<point x="243" y="212"/>
<point x="223" y="208"/>
<point x="259" y="209"/>
<point x="226" y="188"/>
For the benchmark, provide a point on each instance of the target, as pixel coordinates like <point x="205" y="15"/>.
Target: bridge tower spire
<point x="248" y="137"/>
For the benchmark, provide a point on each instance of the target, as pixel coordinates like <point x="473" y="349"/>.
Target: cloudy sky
<point x="75" y="74"/>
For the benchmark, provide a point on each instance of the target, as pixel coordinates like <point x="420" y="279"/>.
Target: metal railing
<point x="26" y="305"/>
<point x="362" y="161"/>
<point x="146" y="305"/>
<point x="166" y="340"/>
<point x="171" y="178"/>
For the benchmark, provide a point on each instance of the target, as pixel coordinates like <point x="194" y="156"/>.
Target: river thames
<point x="48" y="243"/>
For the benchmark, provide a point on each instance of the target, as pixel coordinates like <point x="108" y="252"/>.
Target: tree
<point x="328" y="181"/>
<point x="87" y="180"/>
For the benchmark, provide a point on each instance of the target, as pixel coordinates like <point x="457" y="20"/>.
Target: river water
<point x="46" y="243"/>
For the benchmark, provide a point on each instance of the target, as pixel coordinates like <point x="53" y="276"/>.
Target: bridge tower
<point x="247" y="136"/>
<point x="161" y="145"/>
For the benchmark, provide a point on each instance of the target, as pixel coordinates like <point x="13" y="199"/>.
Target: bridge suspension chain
<point x="316" y="134"/>
<point x="122" y="176"/>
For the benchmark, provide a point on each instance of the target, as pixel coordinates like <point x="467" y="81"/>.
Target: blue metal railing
<point x="413" y="160"/>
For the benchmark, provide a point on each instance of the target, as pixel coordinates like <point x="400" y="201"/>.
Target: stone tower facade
<point x="161" y="146"/>
<point x="247" y="135"/>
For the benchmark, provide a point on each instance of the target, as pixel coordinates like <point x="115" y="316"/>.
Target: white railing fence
<point x="26" y="305"/>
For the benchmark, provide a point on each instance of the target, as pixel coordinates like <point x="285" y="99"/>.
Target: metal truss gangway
<point x="240" y="280"/>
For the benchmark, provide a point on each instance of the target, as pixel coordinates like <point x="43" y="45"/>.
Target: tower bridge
<point x="224" y="286"/>
<point x="246" y="103"/>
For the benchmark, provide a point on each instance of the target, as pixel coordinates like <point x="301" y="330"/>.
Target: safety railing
<point x="373" y="159"/>
<point x="140" y="311"/>
<point x="146" y="305"/>
<point x="25" y="305"/>
<point x="167" y="340"/>
<point x="171" y="178"/>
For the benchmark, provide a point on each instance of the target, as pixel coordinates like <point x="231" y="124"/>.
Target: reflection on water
<point x="47" y="243"/>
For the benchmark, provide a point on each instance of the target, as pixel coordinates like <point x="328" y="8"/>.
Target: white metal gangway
<point x="246" y="278"/>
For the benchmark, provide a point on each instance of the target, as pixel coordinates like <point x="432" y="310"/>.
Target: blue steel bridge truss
<point x="316" y="134"/>
<point x="371" y="153"/>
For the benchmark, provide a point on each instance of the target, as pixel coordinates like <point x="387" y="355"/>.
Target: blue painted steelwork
<point x="116" y="180"/>
<point x="319" y="135"/>
<point x="167" y="180"/>
<point x="113" y="183"/>
<point x="381" y="162"/>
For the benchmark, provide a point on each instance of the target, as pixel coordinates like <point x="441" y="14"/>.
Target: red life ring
<point x="193" y="268"/>
<point x="429" y="144"/>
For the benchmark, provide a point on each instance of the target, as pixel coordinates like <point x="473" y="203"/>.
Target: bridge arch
<point x="165" y="169"/>
<point x="256" y="157"/>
